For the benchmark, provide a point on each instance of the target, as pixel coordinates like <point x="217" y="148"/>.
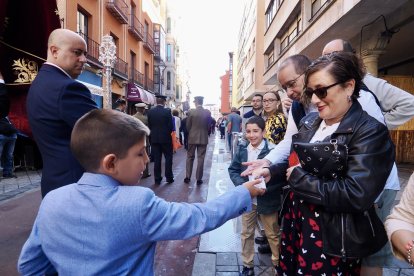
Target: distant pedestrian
<point x="222" y="123"/>
<point x="234" y="125"/>
<point x="140" y="115"/>
<point x="184" y="131"/>
<point x="120" y="105"/>
<point x="198" y="123"/>
<point x="105" y="224"/>
<point x="8" y="133"/>
<point x="160" y="122"/>
<point x="54" y="103"/>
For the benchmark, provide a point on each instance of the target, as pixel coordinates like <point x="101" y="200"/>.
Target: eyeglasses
<point x="269" y="101"/>
<point x="291" y="83"/>
<point x="320" y="92"/>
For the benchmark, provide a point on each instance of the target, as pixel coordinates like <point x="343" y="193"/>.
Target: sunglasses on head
<point x="320" y="92"/>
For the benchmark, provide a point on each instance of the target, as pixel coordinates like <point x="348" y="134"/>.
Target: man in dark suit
<point x="160" y="122"/>
<point x="54" y="103"/>
<point x="198" y="123"/>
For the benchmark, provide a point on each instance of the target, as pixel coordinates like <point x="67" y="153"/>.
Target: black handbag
<point x="6" y="128"/>
<point x="322" y="159"/>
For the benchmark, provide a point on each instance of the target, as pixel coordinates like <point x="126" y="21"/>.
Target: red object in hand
<point x="293" y="159"/>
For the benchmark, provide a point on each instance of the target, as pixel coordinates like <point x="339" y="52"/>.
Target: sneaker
<point x="187" y="180"/>
<point x="260" y="240"/>
<point x="169" y="181"/>
<point x="264" y="249"/>
<point x="247" y="271"/>
<point x="199" y="182"/>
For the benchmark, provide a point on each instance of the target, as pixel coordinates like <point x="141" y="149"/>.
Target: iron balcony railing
<point x="149" y="84"/>
<point x="119" y="9"/>
<point x="136" y="28"/>
<point x="93" y="49"/>
<point x="149" y="42"/>
<point x="121" y="68"/>
<point x="137" y="77"/>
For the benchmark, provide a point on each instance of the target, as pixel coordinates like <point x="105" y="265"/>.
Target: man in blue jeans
<point x="7" y="133"/>
<point x="234" y="124"/>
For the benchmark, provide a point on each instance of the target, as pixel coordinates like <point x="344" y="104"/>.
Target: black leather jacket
<point x="350" y="227"/>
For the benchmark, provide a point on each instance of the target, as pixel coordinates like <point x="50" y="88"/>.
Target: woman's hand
<point x="289" y="171"/>
<point x="254" y="167"/>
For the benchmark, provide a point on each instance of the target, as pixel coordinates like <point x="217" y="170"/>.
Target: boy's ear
<point x="108" y="163"/>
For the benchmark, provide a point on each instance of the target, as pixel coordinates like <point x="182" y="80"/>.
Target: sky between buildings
<point x="206" y="32"/>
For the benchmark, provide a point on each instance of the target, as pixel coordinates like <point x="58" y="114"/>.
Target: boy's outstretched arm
<point x="162" y="220"/>
<point x="32" y="260"/>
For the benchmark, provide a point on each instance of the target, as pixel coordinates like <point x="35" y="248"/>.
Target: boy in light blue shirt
<point x="107" y="225"/>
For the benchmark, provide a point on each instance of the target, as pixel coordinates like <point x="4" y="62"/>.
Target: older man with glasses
<point x="291" y="78"/>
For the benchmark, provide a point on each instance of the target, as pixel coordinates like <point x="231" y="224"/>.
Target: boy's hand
<point x="254" y="191"/>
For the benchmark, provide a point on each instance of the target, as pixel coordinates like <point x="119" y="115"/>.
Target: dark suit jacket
<point x="160" y="122"/>
<point x="198" y="123"/>
<point x="54" y="103"/>
<point x="4" y="101"/>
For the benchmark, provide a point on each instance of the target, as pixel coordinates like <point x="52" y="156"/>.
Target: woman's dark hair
<point x="343" y="66"/>
<point x="256" y="120"/>
<point x="175" y="112"/>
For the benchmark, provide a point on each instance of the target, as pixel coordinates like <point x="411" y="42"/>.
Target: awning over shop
<point x="137" y="94"/>
<point x="96" y="90"/>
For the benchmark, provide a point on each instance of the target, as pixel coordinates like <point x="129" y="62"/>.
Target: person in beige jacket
<point x="197" y="124"/>
<point x="400" y="225"/>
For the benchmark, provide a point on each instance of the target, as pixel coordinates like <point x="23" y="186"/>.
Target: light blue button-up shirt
<point x="97" y="227"/>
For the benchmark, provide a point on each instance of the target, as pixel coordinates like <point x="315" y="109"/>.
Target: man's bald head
<point x="338" y="45"/>
<point x="67" y="50"/>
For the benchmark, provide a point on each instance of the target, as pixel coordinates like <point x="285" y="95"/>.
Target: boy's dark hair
<point x="175" y="112"/>
<point x="101" y="132"/>
<point x="256" y="120"/>
<point x="258" y="95"/>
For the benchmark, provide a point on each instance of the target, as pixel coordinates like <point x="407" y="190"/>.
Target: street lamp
<point x="107" y="55"/>
<point x="161" y="68"/>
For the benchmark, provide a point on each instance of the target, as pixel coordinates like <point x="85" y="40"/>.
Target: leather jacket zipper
<point x="343" y="252"/>
<point x="370" y="223"/>
<point x="283" y="204"/>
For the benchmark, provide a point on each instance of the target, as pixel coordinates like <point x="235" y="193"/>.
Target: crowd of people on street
<point x="313" y="165"/>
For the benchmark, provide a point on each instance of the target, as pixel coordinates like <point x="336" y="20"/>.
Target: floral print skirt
<point x="301" y="244"/>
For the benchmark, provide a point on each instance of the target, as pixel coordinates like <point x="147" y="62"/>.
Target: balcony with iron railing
<point x="121" y="68"/>
<point x="137" y="77"/>
<point x="135" y="28"/>
<point x="93" y="50"/>
<point x="119" y="9"/>
<point x="149" y="84"/>
<point x="149" y="42"/>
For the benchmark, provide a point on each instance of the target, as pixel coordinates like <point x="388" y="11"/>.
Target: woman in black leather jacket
<point x="340" y="161"/>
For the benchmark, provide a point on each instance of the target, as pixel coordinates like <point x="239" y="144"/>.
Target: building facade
<point x="137" y="28"/>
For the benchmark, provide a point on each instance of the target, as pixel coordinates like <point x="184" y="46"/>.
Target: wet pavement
<point x="214" y="253"/>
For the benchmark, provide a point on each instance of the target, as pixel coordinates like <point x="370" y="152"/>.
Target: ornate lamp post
<point x="107" y="55"/>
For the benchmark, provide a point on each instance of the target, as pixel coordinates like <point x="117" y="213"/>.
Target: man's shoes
<point x="9" y="175"/>
<point x="187" y="180"/>
<point x="264" y="249"/>
<point x="169" y="181"/>
<point x="247" y="271"/>
<point x="199" y="182"/>
<point x="260" y="240"/>
<point x="147" y="175"/>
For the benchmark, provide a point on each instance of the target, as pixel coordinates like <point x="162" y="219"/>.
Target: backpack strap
<point x="364" y="87"/>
